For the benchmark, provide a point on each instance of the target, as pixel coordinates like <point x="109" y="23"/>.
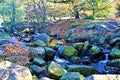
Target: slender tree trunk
<point x="13" y="14"/>
<point x="76" y="12"/>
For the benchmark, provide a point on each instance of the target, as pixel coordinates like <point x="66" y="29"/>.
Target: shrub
<point x="73" y="24"/>
<point x="90" y="17"/>
<point x="16" y="53"/>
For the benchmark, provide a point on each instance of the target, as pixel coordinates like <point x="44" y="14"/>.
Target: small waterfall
<point x="58" y="60"/>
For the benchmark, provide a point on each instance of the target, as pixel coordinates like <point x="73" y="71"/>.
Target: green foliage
<point x="92" y="17"/>
<point x="98" y="8"/>
<point x="73" y="24"/>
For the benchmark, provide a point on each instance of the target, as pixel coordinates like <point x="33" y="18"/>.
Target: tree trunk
<point x="76" y="13"/>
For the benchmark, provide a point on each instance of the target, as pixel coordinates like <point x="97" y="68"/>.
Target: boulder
<point x="72" y="76"/>
<point x="11" y="71"/>
<point x="115" y="53"/>
<point x="55" y="70"/>
<point x="38" y="70"/>
<point x="103" y="77"/>
<point x="50" y="52"/>
<point x="38" y="43"/>
<point x="44" y="37"/>
<point x="69" y="51"/>
<point x="82" y="69"/>
<point x="39" y="62"/>
<point x="38" y="52"/>
<point x="79" y="46"/>
<point x="94" y="51"/>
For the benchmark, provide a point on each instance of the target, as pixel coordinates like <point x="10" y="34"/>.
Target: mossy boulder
<point x="115" y="53"/>
<point x="72" y="76"/>
<point x="55" y="70"/>
<point x="69" y="51"/>
<point x="79" y="46"/>
<point x="82" y="69"/>
<point x="94" y="51"/>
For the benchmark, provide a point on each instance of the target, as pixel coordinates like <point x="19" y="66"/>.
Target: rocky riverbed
<point x="92" y="54"/>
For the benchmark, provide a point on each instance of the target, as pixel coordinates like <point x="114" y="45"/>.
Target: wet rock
<point x="82" y="69"/>
<point x="44" y="37"/>
<point x="115" y="53"/>
<point x="69" y="51"/>
<point x="55" y="70"/>
<point x="50" y="52"/>
<point x="39" y="62"/>
<point x="38" y="52"/>
<point x="38" y="43"/>
<point x="114" y="63"/>
<point x="103" y="77"/>
<point x="79" y="46"/>
<point x="38" y="70"/>
<point x="94" y="51"/>
<point x="72" y="76"/>
<point x="11" y="71"/>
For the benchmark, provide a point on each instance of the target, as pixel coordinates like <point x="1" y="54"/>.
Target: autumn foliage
<point x="17" y="52"/>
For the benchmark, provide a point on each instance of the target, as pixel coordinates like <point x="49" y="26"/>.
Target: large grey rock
<point x="72" y="76"/>
<point x="11" y="71"/>
<point x="44" y="37"/>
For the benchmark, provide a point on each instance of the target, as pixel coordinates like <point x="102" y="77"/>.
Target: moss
<point x="55" y="70"/>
